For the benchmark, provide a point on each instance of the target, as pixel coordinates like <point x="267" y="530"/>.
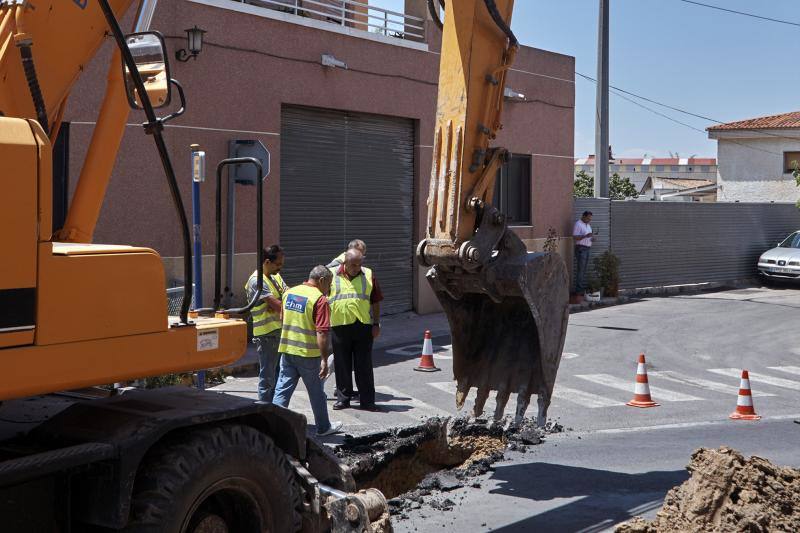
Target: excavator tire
<point x="223" y="479"/>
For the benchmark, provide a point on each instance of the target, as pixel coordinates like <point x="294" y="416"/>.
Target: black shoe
<point x="370" y="407"/>
<point x="355" y="397"/>
<point x="341" y="405"/>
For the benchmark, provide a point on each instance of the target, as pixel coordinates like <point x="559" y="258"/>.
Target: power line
<point x="651" y="110"/>
<point x="752" y="15"/>
<point x="689" y="113"/>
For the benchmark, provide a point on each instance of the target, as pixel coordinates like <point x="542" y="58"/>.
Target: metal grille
<point x="677" y="243"/>
<point x="350" y="13"/>
<point x="674" y="243"/>
<point x="347" y="176"/>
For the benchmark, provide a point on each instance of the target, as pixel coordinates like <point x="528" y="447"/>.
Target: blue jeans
<point x="582" y="259"/>
<point x="268" y="364"/>
<point x="293" y="368"/>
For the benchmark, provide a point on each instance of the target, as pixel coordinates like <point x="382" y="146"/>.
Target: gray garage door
<point x="346" y="176"/>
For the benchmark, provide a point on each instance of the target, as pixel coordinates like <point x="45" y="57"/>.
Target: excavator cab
<point x="507" y="307"/>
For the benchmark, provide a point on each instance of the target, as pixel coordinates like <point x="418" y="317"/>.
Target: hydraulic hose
<point x="434" y="11"/>
<point x="24" y="43"/>
<point x="498" y="19"/>
<point x="154" y="127"/>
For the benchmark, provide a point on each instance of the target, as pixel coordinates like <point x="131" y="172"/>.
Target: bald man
<point x="355" y="319"/>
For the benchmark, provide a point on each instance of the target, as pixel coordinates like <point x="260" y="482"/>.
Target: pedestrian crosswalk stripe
<point x="580" y="397"/>
<point x="756" y="378"/>
<point x="621" y="384"/>
<point x="491" y="404"/>
<point x="418" y="407"/>
<point x="788" y="369"/>
<point x="585" y="399"/>
<point x="677" y="377"/>
<point x="301" y="404"/>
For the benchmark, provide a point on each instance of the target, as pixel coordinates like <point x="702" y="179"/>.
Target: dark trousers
<point x="582" y="259"/>
<point x="352" y="352"/>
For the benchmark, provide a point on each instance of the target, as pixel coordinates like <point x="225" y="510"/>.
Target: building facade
<point x="350" y="144"/>
<point x="756" y="158"/>
<point x="639" y="169"/>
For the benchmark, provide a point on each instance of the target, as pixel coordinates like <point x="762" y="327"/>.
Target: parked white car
<point x="782" y="262"/>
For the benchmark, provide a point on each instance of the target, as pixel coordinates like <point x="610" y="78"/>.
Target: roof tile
<point x="785" y="120"/>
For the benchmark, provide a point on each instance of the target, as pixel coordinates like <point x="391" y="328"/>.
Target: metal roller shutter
<point x="346" y="176"/>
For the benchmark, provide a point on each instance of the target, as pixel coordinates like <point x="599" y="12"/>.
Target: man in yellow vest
<point x="355" y="317"/>
<point x="304" y="339"/>
<point x="266" y="317"/>
<point x="356" y="244"/>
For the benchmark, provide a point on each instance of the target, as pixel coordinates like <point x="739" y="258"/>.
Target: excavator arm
<point x="507" y="308"/>
<point x="34" y="85"/>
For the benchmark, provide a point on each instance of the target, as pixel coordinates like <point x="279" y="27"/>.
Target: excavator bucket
<point x="508" y="324"/>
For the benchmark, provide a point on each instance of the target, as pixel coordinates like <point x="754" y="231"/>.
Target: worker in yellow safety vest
<point x="266" y="317"/>
<point x="357" y="244"/>
<point x="355" y="320"/>
<point x="304" y="339"/>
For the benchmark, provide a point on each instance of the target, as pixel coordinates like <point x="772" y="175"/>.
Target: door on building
<point x="348" y="176"/>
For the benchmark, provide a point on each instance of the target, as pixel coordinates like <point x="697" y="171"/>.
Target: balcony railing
<point x="351" y="14"/>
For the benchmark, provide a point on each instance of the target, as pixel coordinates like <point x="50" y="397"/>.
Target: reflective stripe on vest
<point x="265" y="320"/>
<point x="299" y="333"/>
<point x="350" y="299"/>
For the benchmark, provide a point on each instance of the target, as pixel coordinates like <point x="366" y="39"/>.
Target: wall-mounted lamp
<point x="511" y="94"/>
<point x="329" y="61"/>
<point x="194" y="43"/>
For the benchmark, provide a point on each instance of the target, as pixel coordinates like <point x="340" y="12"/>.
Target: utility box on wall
<point x="246" y="174"/>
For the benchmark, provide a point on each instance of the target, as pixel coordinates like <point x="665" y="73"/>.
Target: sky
<point x="720" y="65"/>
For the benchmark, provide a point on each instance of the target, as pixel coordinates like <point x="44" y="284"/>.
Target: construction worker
<point x="267" y="320"/>
<point x="356" y="244"/>
<point x="355" y="317"/>
<point x="304" y="338"/>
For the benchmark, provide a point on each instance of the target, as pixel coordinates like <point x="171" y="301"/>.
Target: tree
<point x="619" y="188"/>
<point x="584" y="185"/>
<point x="622" y="188"/>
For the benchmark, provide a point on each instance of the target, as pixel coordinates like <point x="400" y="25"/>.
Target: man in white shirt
<point x="583" y="236"/>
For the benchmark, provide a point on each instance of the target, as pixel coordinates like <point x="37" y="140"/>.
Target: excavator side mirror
<point x="149" y="53"/>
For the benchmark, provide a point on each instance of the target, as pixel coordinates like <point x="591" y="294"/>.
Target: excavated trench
<point x="412" y="463"/>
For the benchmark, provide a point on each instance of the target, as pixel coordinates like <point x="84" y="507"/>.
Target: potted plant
<point x="606" y="268"/>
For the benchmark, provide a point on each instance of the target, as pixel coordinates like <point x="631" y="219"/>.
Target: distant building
<point x="678" y="190"/>
<point x="638" y="170"/>
<point x="756" y="157"/>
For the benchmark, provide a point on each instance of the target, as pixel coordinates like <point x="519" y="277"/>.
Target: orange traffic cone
<point x="744" y="402"/>
<point x="641" y="392"/>
<point x="426" y="359"/>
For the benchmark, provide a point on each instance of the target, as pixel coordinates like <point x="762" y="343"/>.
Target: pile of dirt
<point x="420" y="465"/>
<point x="727" y="492"/>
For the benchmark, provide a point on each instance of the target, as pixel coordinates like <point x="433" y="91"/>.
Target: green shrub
<point x="606" y="269"/>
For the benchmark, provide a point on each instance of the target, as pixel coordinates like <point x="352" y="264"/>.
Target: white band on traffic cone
<point x="427" y="347"/>
<point x="744" y="400"/>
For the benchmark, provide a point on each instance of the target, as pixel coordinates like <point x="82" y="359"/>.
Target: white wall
<point x="751" y="170"/>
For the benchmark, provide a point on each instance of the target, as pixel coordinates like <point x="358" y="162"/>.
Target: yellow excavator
<point x="75" y="314"/>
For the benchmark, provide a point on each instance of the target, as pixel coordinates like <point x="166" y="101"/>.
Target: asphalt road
<point x="614" y="461"/>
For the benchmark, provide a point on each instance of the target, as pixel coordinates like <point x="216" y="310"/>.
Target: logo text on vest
<point x="296" y="303"/>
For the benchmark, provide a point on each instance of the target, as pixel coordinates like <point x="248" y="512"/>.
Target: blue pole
<point x="198" y="161"/>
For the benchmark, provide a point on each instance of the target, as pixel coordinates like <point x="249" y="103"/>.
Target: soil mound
<point x="728" y="492"/>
